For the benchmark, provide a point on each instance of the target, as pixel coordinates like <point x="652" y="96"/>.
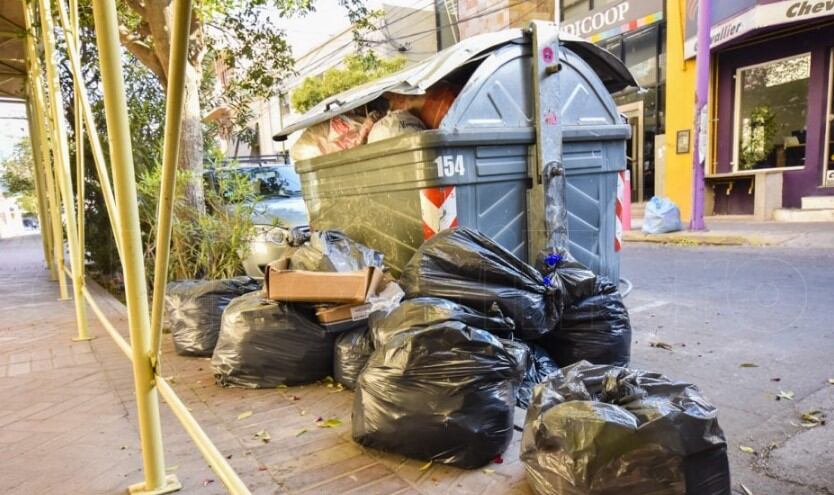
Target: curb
<point x="696" y="239"/>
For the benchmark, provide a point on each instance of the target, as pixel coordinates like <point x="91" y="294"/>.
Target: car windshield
<point x="281" y="181"/>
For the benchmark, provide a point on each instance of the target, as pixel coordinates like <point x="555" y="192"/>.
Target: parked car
<point x="280" y="215"/>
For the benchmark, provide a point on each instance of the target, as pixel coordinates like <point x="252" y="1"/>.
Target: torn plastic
<point x="595" y="329"/>
<point x="595" y="429"/>
<point x="193" y="309"/>
<point x="577" y="280"/>
<point x="468" y="267"/>
<point x="333" y="251"/>
<point x="441" y="391"/>
<point x="539" y="367"/>
<point x="265" y="343"/>
<point x="416" y="314"/>
<point x="395" y="123"/>
<point x="353" y="348"/>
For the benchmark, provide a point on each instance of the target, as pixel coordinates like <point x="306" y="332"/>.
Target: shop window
<point x="771" y="106"/>
<point x="640" y="55"/>
<point x="828" y="169"/>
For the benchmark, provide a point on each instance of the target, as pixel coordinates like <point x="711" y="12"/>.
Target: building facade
<point x="634" y="31"/>
<point x="771" y="104"/>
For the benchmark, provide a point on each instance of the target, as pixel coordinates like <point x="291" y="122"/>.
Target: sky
<point x="12" y="126"/>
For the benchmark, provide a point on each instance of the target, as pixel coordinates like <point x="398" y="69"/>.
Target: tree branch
<point x="143" y="53"/>
<point x="137" y="6"/>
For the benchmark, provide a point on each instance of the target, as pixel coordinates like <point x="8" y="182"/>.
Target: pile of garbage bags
<point x="333" y="251"/>
<point x="437" y="388"/>
<point x="596" y="429"/>
<point x="352" y="350"/>
<point x="193" y="309"/>
<point x="268" y="343"/>
<point x="467" y="267"/>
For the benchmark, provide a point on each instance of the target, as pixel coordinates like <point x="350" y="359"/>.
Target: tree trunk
<point x="191" y="139"/>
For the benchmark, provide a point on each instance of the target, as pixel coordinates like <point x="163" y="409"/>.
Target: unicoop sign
<point x="596" y="22"/>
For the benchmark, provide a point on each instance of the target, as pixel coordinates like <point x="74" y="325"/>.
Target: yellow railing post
<point x="133" y="265"/>
<point x="62" y="167"/>
<point x="173" y="126"/>
<point x="92" y="132"/>
<point x="79" y="138"/>
<point x="42" y="128"/>
<point x="40" y="182"/>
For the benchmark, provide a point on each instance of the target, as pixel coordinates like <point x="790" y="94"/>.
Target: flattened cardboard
<point x="283" y="284"/>
<point x="344" y="312"/>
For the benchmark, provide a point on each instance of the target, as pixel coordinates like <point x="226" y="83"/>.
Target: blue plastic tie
<point x="553" y="259"/>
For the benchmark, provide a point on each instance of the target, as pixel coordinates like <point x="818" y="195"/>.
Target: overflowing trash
<point x="352" y="350"/>
<point x="442" y="391"/>
<point x="342" y="132"/>
<point x="193" y="309"/>
<point x="431" y="107"/>
<point x="468" y="267"/>
<point x="265" y="343"/>
<point x="333" y="251"/>
<point x="661" y="216"/>
<point x="595" y="429"/>
<point x="595" y="329"/>
<point x="395" y="123"/>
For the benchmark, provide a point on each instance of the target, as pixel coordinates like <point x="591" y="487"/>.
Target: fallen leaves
<point x="745" y="490"/>
<point x="661" y="345"/>
<point x="747" y="450"/>
<point x="831" y="381"/>
<point x="812" y="419"/>
<point x="301" y="432"/>
<point x="786" y="395"/>
<point x="244" y="415"/>
<point x="489" y="471"/>
<point x="426" y="466"/>
<point x="263" y="436"/>
<point x="329" y="423"/>
<point x="207" y="482"/>
<point x="171" y="469"/>
<point x="748" y="365"/>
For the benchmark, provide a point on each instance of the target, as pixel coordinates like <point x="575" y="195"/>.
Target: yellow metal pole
<point x="79" y="138"/>
<point x="133" y="265"/>
<point x="62" y="162"/>
<point x="92" y="132"/>
<point x="173" y="125"/>
<point x="40" y="184"/>
<point x="43" y="128"/>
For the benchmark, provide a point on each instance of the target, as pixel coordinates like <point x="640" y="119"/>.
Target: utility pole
<point x="699" y="157"/>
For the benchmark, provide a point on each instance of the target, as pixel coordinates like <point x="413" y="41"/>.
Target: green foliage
<point x="18" y="178"/>
<point x="358" y="69"/>
<point x="757" y="138"/>
<point x="209" y="245"/>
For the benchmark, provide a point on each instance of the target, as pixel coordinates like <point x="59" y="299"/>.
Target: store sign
<point x="758" y="17"/>
<point x="612" y="20"/>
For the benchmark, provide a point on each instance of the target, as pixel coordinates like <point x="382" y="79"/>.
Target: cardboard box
<point x="283" y="284"/>
<point x="344" y="312"/>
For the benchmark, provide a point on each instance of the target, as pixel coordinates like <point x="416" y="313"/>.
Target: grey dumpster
<point x="478" y="169"/>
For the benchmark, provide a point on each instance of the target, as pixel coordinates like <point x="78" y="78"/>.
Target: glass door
<point x="633" y="112"/>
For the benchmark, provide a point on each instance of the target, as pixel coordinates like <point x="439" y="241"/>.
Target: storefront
<point x="634" y="31"/>
<point x="772" y="101"/>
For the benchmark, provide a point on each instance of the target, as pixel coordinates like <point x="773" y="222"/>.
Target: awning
<point x="12" y="37"/>
<point x="417" y="79"/>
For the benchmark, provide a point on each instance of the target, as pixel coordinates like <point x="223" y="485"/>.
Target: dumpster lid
<point x="417" y="79"/>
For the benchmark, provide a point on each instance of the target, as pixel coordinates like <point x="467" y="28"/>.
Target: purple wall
<point x="819" y="43"/>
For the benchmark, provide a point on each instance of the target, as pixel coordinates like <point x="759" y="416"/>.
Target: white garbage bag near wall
<point x="662" y="215"/>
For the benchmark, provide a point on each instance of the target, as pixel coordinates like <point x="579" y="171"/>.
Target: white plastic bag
<point x="662" y="215"/>
<point x="339" y="133"/>
<point x="396" y="123"/>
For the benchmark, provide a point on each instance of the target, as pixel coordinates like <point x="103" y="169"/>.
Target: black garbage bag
<point x="577" y="280"/>
<point x="422" y="312"/>
<point x="468" y="267"/>
<point x="266" y="343"/>
<point x="193" y="309"/>
<point x="595" y="329"/>
<point x="538" y="368"/>
<point x="353" y="348"/>
<point x="442" y="392"/>
<point x="606" y="430"/>
<point x="333" y="251"/>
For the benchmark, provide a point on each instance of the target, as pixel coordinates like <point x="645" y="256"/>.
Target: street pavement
<point x="744" y="324"/>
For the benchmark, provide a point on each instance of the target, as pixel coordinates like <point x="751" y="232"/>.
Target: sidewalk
<point x="68" y="420"/>
<point x="742" y="231"/>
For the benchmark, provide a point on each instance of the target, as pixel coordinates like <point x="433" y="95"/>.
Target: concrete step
<point x="818" y="203"/>
<point x="797" y="215"/>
